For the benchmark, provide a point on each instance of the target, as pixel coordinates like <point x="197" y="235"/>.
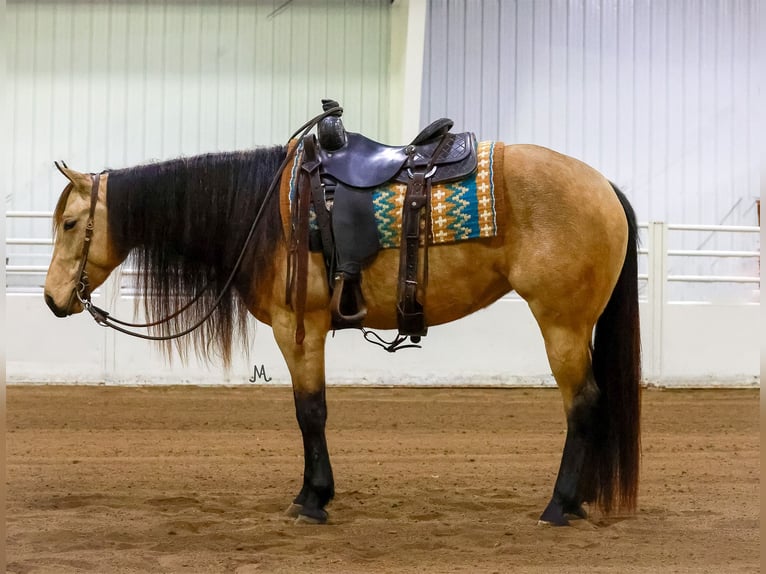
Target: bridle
<point x="82" y="284"/>
<point x="82" y="290"/>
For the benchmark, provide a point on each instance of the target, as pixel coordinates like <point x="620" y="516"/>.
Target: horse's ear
<point x="61" y="167"/>
<point x="75" y="177"/>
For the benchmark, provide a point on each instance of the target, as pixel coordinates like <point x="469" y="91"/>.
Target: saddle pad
<point x="465" y="209"/>
<point x="460" y="210"/>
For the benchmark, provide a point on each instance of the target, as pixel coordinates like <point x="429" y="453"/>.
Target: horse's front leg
<point x="306" y="364"/>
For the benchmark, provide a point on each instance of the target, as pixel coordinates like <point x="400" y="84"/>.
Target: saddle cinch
<point x="340" y="170"/>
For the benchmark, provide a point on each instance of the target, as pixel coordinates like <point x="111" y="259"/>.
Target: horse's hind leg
<point x="306" y="365"/>
<point x="568" y="352"/>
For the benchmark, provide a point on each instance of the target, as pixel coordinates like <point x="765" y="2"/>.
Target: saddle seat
<point x="365" y="163"/>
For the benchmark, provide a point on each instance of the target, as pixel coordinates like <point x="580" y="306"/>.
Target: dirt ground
<point x="112" y="480"/>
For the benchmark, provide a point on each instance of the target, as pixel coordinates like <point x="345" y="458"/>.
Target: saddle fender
<point x="354" y="228"/>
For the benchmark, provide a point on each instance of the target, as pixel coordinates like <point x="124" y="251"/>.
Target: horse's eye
<point x="69" y="224"/>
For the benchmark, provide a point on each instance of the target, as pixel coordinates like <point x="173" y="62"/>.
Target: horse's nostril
<point x="53" y="307"/>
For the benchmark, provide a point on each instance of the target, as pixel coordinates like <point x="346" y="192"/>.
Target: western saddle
<point x="338" y="173"/>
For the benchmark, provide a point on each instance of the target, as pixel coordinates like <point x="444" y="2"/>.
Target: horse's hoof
<point x="566" y="519"/>
<point x="305" y="519"/>
<point x="303" y="515"/>
<point x="311" y="516"/>
<point x="577" y="514"/>
<point x="553" y="515"/>
<point x="316" y="516"/>
<point x="548" y="523"/>
<point x="293" y="511"/>
<point x="558" y="514"/>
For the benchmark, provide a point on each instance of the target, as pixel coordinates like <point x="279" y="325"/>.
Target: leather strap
<point x="82" y="288"/>
<point x="409" y="311"/>
<point x="301" y="239"/>
<point x="410" y="317"/>
<point x="318" y="200"/>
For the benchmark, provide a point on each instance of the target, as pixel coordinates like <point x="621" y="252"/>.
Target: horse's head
<point x="72" y="263"/>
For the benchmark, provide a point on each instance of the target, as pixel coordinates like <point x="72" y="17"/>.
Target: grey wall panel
<point x="659" y="95"/>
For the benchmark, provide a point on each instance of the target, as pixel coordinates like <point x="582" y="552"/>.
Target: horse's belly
<point x="462" y="278"/>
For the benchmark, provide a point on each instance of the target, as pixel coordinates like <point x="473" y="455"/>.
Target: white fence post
<point x="656" y="294"/>
<point x="110" y="292"/>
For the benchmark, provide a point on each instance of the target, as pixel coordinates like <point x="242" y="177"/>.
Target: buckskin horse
<point x="212" y="241"/>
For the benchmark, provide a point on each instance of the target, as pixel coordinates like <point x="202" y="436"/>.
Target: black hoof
<point x="312" y="516"/>
<point x="553" y="515"/>
<point x="556" y="515"/>
<point x="578" y="513"/>
<point x="294" y="510"/>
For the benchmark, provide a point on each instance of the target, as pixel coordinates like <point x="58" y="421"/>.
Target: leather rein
<point x="83" y="291"/>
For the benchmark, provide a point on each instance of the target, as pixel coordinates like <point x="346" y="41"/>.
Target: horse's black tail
<point x="614" y="458"/>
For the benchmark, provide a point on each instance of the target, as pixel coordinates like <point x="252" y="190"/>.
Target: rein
<point x="82" y="290"/>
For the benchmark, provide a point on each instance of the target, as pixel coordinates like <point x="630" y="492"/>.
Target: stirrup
<point x="348" y="310"/>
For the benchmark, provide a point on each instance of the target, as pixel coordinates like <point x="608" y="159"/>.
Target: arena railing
<point x="657" y="233"/>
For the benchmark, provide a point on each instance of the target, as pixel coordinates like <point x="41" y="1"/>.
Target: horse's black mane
<point x="184" y="223"/>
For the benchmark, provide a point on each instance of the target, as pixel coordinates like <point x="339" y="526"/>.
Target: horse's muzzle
<point x="58" y="311"/>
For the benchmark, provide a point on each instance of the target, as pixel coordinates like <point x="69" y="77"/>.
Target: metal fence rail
<point x="657" y="232"/>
